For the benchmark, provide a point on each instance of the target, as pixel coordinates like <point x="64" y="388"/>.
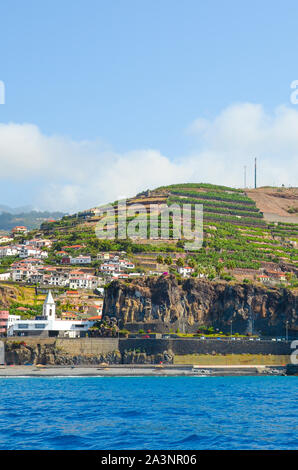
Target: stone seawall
<point x="86" y="351"/>
<point x="195" y="351"/>
<point x="196" y="346"/>
<point x="86" y="346"/>
<point x="62" y="351"/>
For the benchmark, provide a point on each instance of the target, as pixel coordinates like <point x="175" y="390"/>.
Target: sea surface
<point x="164" y="413"/>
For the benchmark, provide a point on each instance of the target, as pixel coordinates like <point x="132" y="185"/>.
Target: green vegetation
<point x="6" y="262"/>
<point x="30" y="312"/>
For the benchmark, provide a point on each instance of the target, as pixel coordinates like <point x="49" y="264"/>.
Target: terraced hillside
<point x="236" y="234"/>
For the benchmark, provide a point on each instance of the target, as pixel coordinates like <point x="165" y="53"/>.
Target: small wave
<point x="191" y="438"/>
<point x="66" y="440"/>
<point x="131" y="414"/>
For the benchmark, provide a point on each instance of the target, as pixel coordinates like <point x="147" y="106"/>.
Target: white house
<point x="81" y="259"/>
<point x="36" y="277"/>
<point x="185" y="270"/>
<point x="29" y="250"/>
<point x="5" y="276"/>
<point x="21" y="273"/>
<point x="48" y="324"/>
<point x="129" y="265"/>
<point x="5" y="239"/>
<point x="109" y="268"/>
<point x="58" y="278"/>
<point x="8" y="251"/>
<point x="83" y="281"/>
<point x="39" y="242"/>
<point x="19" y="230"/>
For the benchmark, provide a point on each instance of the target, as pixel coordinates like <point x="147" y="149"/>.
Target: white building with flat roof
<point x="48" y="324"/>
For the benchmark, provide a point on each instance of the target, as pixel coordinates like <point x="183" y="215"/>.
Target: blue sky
<point x="148" y="85"/>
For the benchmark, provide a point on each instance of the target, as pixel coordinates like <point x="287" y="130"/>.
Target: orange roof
<point x="96" y="317"/>
<point x="69" y="314"/>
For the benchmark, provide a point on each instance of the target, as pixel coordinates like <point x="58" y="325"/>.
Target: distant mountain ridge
<point x="15" y="210"/>
<point x="31" y="219"/>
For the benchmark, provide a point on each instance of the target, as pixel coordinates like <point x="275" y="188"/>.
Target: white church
<point x="48" y="324"/>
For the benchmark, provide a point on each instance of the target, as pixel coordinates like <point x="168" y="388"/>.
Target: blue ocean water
<point x="149" y="413"/>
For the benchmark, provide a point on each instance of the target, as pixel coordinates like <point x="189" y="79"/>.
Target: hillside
<point x="236" y="233"/>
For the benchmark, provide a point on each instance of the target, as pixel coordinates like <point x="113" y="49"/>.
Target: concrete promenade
<point x="137" y="370"/>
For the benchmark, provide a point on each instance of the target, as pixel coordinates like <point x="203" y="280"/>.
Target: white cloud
<point x="244" y="131"/>
<point x="73" y="175"/>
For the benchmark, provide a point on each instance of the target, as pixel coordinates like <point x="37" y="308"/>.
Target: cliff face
<point x="7" y="294"/>
<point x="163" y="304"/>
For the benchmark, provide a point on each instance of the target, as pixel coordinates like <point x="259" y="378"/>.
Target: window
<point x="22" y="326"/>
<point x="40" y="325"/>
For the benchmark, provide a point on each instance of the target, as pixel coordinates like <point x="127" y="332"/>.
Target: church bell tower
<point x="49" y="307"/>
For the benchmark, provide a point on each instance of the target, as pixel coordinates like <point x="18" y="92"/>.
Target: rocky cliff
<point x="7" y="295"/>
<point x="163" y="304"/>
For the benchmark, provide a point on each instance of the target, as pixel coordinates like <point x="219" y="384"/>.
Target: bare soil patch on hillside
<point x="275" y="203"/>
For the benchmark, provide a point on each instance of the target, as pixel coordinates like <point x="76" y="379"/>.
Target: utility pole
<point x="255" y="173"/>
<point x="244" y="176"/>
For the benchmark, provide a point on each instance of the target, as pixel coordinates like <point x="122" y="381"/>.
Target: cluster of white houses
<point x="32" y="271"/>
<point x="47" y="324"/>
<point x="30" y="266"/>
<point x="114" y="265"/>
<point x="32" y="248"/>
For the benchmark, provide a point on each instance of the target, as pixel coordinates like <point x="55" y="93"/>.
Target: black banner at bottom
<point x="135" y="459"/>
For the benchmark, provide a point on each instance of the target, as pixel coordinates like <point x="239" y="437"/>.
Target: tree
<point x="180" y="244"/>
